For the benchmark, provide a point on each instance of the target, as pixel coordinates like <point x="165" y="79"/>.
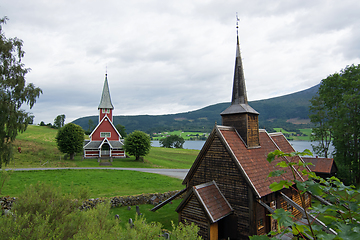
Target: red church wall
<point x="105" y="127"/>
<point x="89" y="154"/>
<point x="102" y="115"/>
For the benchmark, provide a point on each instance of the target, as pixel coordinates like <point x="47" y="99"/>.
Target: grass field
<point x="38" y="149"/>
<point x="185" y="135"/>
<point x="306" y="131"/>
<point x="100" y="183"/>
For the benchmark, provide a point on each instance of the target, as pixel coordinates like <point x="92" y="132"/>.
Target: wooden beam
<point x="160" y="205"/>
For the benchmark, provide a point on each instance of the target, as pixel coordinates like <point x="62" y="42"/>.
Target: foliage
<point x="59" y="121"/>
<point x="13" y="93"/>
<point x="137" y="144"/>
<point x="91" y="127"/>
<point x="172" y="141"/>
<point x="341" y="216"/>
<point x="336" y="113"/>
<point x="185" y="231"/>
<point x="165" y="215"/>
<point x="44" y="212"/>
<point x="322" y="133"/>
<point x="70" y="139"/>
<point x="4" y="178"/>
<point x="121" y="129"/>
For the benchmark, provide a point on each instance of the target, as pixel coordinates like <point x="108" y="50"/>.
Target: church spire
<point x="239" y="101"/>
<point x="105" y="101"/>
<point x="239" y="88"/>
<point x="239" y="114"/>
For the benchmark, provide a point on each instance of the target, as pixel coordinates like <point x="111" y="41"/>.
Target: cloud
<point x="173" y="56"/>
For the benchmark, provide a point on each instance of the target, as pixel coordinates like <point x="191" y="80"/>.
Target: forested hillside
<point x="281" y="111"/>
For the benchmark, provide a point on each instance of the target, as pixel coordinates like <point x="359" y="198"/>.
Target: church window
<point x="105" y="134"/>
<point x="105" y="110"/>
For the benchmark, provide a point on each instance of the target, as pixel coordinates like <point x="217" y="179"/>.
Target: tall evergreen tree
<point x="13" y="93"/>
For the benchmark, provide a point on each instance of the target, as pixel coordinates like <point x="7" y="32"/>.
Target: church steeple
<point x="239" y="102"/>
<point x="239" y="88"/>
<point x="105" y="106"/>
<point x="105" y="101"/>
<point x="240" y="115"/>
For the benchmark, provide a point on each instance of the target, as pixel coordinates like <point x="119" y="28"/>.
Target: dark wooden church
<point x="228" y="194"/>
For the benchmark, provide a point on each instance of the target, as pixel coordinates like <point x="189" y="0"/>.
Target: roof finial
<point x="106" y="71"/>
<point x="237" y="24"/>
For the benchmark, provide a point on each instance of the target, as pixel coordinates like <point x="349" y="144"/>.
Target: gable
<point x="191" y="210"/>
<point x="215" y="204"/>
<point x="105" y="126"/>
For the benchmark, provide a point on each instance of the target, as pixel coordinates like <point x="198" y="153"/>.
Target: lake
<point x="197" y="145"/>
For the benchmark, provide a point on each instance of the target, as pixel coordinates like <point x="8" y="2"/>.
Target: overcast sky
<point x="175" y="56"/>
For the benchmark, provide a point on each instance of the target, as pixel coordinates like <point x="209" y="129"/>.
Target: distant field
<point x="294" y="136"/>
<point x="185" y="135"/>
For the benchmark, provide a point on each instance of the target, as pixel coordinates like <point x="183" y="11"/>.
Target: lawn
<point x="38" y="149"/>
<point x="100" y="183"/>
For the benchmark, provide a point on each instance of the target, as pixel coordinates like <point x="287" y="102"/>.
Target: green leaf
<point x="278" y="186"/>
<point x="283" y="217"/>
<point x="283" y="164"/>
<point x="276" y="173"/>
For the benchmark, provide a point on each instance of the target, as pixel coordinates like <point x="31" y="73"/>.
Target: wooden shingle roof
<point x="252" y="162"/>
<point x="321" y="165"/>
<point x="211" y="199"/>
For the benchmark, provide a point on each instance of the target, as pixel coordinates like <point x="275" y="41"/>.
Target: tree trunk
<point x="72" y="156"/>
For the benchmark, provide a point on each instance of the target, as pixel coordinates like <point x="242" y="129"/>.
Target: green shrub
<point x="185" y="231"/>
<point x="42" y="211"/>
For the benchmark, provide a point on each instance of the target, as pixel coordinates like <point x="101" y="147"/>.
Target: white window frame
<point x="105" y="134"/>
<point x="105" y="110"/>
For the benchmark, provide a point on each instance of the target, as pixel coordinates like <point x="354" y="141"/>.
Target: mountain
<point x="289" y="111"/>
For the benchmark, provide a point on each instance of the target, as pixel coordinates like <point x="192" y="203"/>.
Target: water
<point x="197" y="145"/>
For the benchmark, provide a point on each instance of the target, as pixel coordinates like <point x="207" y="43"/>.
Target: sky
<point x="165" y="57"/>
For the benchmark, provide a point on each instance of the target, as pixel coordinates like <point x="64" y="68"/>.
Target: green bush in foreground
<point x="44" y="212"/>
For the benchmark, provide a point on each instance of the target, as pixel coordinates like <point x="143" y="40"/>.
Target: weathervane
<point x="106" y="70"/>
<point x="237" y="23"/>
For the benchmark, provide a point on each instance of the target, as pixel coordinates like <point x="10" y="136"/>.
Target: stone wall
<point x="149" y="198"/>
